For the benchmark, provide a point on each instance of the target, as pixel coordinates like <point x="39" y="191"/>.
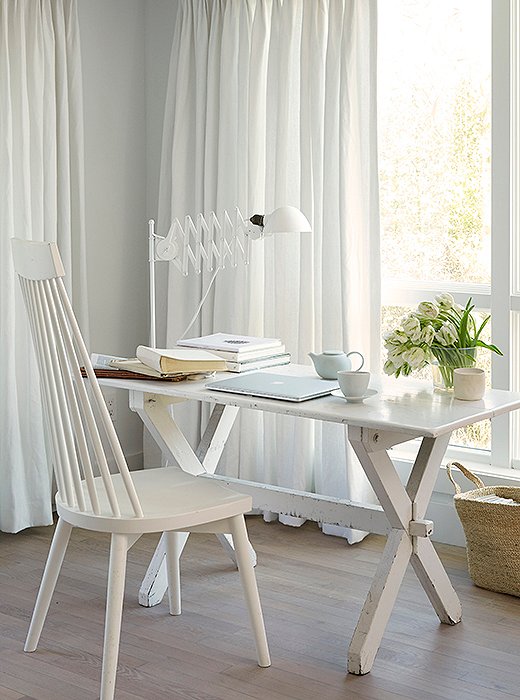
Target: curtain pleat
<point x="41" y="198"/>
<point x="272" y="102"/>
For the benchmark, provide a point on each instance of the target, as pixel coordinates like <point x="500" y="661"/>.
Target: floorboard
<point x="312" y="589"/>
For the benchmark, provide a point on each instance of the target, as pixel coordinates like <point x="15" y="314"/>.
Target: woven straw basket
<point x="492" y="533"/>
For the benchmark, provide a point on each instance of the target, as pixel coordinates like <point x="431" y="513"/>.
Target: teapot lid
<point x="333" y="352"/>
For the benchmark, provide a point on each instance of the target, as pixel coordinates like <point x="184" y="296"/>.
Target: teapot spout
<point x="315" y="359"/>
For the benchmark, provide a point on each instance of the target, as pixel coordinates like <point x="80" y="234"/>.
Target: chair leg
<point x="248" y="578"/>
<point x="114" y="610"/>
<point x="175" y="542"/>
<point x="51" y="572"/>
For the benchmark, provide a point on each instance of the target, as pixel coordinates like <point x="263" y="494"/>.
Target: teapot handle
<point x="355" y="352"/>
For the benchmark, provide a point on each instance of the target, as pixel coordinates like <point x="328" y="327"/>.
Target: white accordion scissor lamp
<point x="210" y="244"/>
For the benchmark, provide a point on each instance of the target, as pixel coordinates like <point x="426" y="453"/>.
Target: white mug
<point x="353" y="384"/>
<point x="469" y="383"/>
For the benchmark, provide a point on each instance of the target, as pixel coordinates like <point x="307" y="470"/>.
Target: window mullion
<point x="515" y="220"/>
<point x="500" y="222"/>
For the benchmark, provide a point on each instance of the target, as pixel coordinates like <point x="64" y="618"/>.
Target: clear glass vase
<point x="448" y="359"/>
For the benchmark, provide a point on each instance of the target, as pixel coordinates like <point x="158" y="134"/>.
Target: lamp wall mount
<point x="207" y="242"/>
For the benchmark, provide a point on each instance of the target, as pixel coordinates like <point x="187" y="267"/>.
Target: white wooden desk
<point x="402" y="410"/>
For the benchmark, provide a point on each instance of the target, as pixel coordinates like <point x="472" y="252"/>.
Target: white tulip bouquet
<point x="440" y="332"/>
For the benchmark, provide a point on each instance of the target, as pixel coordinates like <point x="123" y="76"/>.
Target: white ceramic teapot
<point x="330" y="362"/>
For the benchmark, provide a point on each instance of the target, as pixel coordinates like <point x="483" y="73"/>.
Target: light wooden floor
<point x="312" y="588"/>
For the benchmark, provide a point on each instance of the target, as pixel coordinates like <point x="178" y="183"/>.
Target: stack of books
<point x="242" y="353"/>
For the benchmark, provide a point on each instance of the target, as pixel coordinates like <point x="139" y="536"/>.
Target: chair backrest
<point x="74" y="406"/>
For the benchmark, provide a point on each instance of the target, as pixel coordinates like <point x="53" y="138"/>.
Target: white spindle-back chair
<point x="124" y="504"/>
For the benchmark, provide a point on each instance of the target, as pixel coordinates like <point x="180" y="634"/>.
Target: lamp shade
<point x="286" y="219"/>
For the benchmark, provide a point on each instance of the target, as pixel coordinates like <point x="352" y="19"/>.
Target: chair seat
<point x="171" y="500"/>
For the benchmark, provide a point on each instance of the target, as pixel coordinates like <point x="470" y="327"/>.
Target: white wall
<point x="112" y="41"/>
<point x="112" y="47"/>
<point x="159" y="26"/>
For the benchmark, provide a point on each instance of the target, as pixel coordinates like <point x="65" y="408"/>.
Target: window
<point x="445" y="150"/>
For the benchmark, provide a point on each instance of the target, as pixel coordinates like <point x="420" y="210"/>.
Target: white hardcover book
<point x="228" y="341"/>
<point x="258" y="364"/>
<point x="250" y="355"/>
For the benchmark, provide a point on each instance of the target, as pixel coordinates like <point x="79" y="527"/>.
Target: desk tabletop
<point x="404" y="405"/>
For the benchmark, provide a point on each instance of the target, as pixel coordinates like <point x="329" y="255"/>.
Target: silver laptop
<point x="276" y="386"/>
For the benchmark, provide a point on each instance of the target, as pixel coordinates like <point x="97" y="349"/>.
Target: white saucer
<point x="354" y="399"/>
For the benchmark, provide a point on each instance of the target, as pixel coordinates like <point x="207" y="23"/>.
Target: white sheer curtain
<point x="272" y="102"/>
<point x="41" y="198"/>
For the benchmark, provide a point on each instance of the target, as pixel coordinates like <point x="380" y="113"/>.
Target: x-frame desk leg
<point x="154" y="411"/>
<point x="405" y="508"/>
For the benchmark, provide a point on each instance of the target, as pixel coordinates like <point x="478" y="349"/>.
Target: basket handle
<point x="469" y="475"/>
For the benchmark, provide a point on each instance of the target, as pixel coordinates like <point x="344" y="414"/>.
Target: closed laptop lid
<point x="276" y="386"/>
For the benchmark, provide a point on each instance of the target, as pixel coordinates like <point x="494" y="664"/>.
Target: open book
<point x="168" y="361"/>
